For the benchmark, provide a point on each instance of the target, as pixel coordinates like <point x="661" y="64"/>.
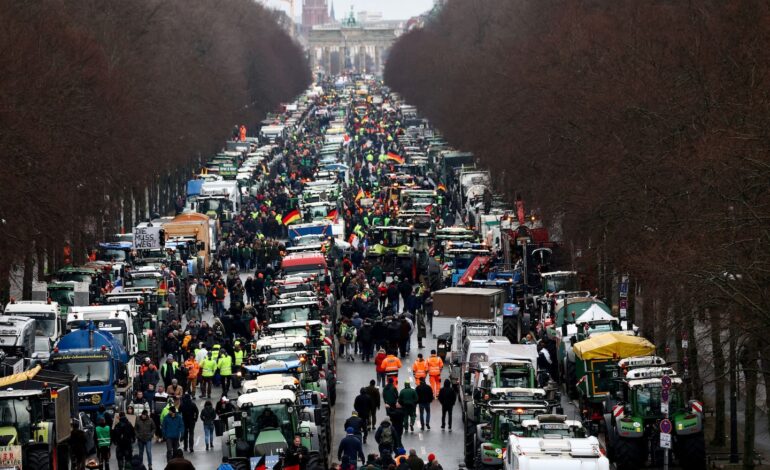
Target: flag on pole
<point x="360" y="194"/>
<point x="261" y="464"/>
<point x="291" y="217"/>
<point x="429" y="208"/>
<point x="332" y="215"/>
<point x="441" y="187"/>
<point x="118" y="286"/>
<point x="395" y="157"/>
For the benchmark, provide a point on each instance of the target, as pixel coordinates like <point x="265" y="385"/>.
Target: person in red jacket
<point x="378" y="366"/>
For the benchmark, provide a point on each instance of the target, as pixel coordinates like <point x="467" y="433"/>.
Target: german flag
<point x="261" y="464"/>
<point x="332" y="215"/>
<point x="360" y="194"/>
<point x="291" y="217"/>
<point x="395" y="157"/>
<point x="441" y="187"/>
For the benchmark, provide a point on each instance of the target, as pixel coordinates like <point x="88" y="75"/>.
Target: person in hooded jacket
<point x="365" y="338"/>
<point x="123" y="436"/>
<point x="363" y="405"/>
<point x="145" y="430"/>
<point x="408" y="400"/>
<point x="447" y="397"/>
<point x="374" y="399"/>
<point x="208" y="415"/>
<point x="424" y="399"/>
<point x="189" y="411"/>
<point x="386" y="438"/>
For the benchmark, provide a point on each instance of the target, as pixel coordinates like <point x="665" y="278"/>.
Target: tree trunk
<point x="719" y="377"/>
<point x="764" y="355"/>
<point x="692" y="358"/>
<point x="749" y="364"/>
<point x="28" y="275"/>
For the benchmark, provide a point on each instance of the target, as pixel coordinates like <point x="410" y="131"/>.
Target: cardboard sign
<point x="147" y="238"/>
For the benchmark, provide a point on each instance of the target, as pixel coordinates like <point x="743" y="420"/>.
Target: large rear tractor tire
<point x="629" y="454"/>
<point x="569" y="380"/>
<point x="314" y="462"/>
<point x="240" y="465"/>
<point x="511" y="329"/>
<point x="38" y="459"/>
<point x="470" y="450"/>
<point x="691" y="451"/>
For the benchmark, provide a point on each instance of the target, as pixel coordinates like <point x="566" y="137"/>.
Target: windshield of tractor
<point x="648" y="401"/>
<point x="147" y="282"/>
<point x="565" y="282"/>
<point x="14" y="414"/>
<point x="74" y="277"/>
<point x="215" y="205"/>
<point x="90" y="371"/>
<point x="288" y="314"/>
<point x="268" y="417"/>
<point x="64" y="297"/>
<point x="107" y="254"/>
<point x="461" y="259"/>
<point x="514" y="378"/>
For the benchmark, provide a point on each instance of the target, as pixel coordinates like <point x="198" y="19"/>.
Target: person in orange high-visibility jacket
<point x="193" y="368"/>
<point x="391" y="364"/>
<point x="435" y="364"/>
<point x="419" y="369"/>
<point x="242" y="133"/>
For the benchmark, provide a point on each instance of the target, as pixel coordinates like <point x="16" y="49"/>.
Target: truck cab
<point x="47" y="326"/>
<point x="99" y="362"/>
<point x="17" y="336"/>
<point x="554" y="453"/>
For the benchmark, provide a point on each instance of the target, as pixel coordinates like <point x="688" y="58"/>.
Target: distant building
<point x="365" y="17"/>
<point x="314" y="13"/>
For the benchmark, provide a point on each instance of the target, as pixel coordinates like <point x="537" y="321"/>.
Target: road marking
<point x="419" y="435"/>
<point x="422" y="451"/>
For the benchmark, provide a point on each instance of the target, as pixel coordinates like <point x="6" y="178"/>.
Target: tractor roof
<point x="267" y="397"/>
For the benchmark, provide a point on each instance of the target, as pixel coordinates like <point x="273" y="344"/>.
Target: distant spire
<point x="331" y="14"/>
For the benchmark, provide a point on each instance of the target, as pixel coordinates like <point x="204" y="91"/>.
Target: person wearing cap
<point x="208" y="370"/>
<point x="168" y="370"/>
<point x="400" y="457"/>
<point x="351" y="449"/>
<point x="435" y="365"/>
<point x="172" y="427"/>
<point x="415" y="462"/>
<point x="149" y="374"/>
<point x="145" y="430"/>
<point x="433" y="463"/>
<point x="408" y="401"/>
<point x="358" y="425"/>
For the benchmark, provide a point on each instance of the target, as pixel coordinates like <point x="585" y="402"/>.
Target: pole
<point x="733" y="399"/>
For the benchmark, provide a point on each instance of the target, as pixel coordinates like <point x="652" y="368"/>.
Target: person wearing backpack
<point x="348" y="339"/>
<point x="385" y="437"/>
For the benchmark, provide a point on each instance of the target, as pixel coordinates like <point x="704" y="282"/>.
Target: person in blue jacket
<point x="173" y="429"/>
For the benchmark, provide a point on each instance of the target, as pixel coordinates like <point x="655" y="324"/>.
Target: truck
<point x="265" y="423"/>
<point x="65" y="294"/>
<point x="633" y="423"/>
<point x="100" y="363"/>
<point x="35" y="410"/>
<point x="193" y="228"/>
<point x="47" y="326"/>
<point x="554" y="453"/>
<point x="17" y="336"/>
<point x="118" y="319"/>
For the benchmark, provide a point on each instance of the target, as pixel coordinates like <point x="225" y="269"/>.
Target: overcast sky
<point x="391" y="9"/>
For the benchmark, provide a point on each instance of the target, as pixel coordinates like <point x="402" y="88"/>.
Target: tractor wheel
<point x="314" y="462"/>
<point x="240" y="465"/>
<point x="470" y="450"/>
<point x="39" y="459"/>
<point x="333" y="395"/>
<point x="477" y="465"/>
<point x="691" y="451"/>
<point x="629" y="454"/>
<point x="510" y="329"/>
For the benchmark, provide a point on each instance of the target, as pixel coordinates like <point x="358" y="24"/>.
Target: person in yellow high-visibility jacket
<point x="208" y="369"/>
<point x="225" y="366"/>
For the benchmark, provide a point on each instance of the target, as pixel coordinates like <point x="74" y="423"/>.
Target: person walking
<point x="145" y="430"/>
<point x="435" y="365"/>
<point x="189" y="412"/>
<point x="391" y="364"/>
<point x="390" y="395"/>
<point x="208" y="370"/>
<point x="103" y="442"/>
<point x="379" y="368"/>
<point x="193" y="370"/>
<point x="208" y="416"/>
<point x="420" y="369"/>
<point x="173" y="430"/>
<point x="447" y="397"/>
<point x="123" y="436"/>
<point x="386" y="438"/>
<point x="408" y="401"/>
<point x="225" y="366"/>
<point x="358" y="425"/>
<point x="178" y="462"/>
<point x="363" y="405"/>
<point x="374" y="398"/>
<point x="424" y="399"/>
<point x="414" y="462"/>
<point x="350" y="448"/>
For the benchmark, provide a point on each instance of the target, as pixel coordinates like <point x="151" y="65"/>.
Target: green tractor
<point x="391" y="247"/>
<point x="637" y="409"/>
<point x="265" y="423"/>
<point x="484" y="442"/>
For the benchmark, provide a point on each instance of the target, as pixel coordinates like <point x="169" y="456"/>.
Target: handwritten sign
<point x="147" y="238"/>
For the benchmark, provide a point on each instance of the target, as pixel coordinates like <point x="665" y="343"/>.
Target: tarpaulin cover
<point x="609" y="345"/>
<point x="194" y="187"/>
